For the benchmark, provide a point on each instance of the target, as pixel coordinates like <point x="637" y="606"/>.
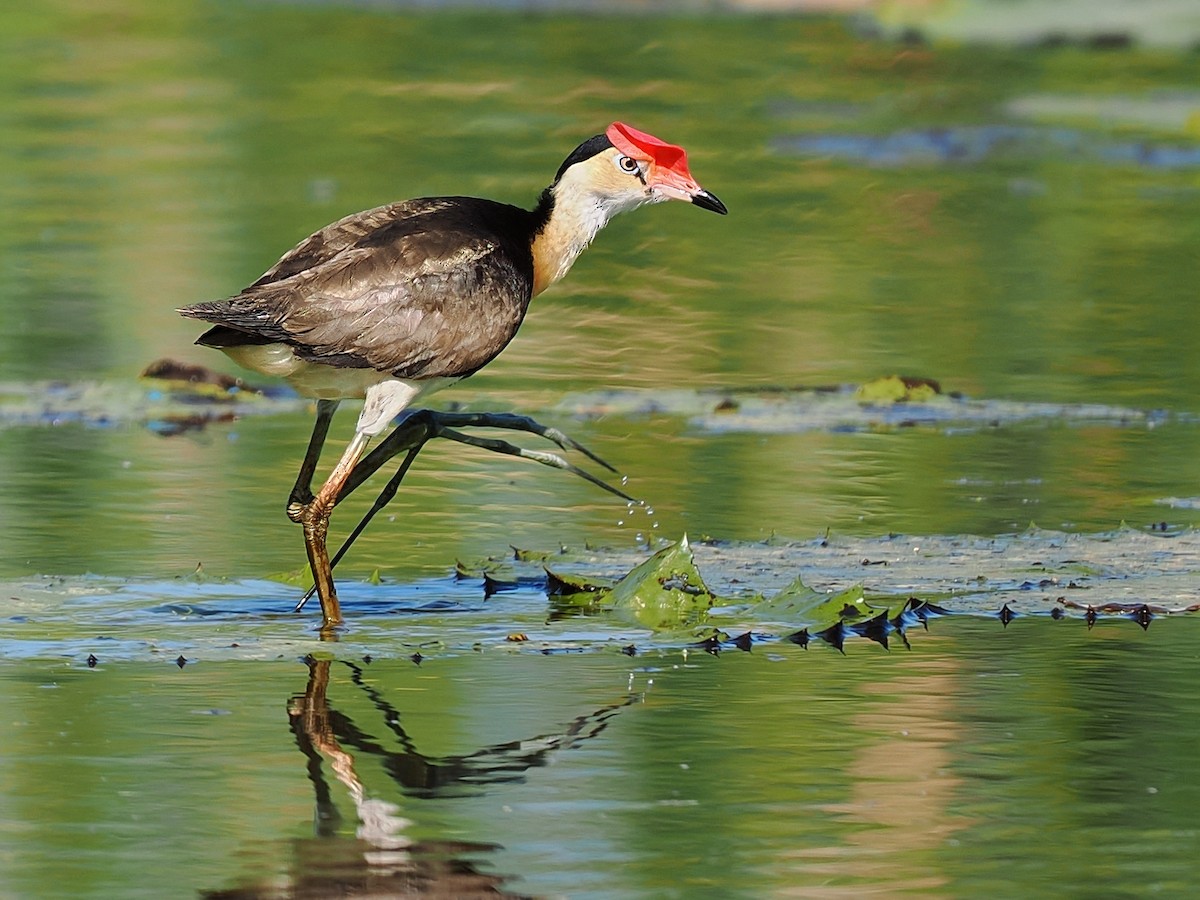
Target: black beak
<point x="705" y="200"/>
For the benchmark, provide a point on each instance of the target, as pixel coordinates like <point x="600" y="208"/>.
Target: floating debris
<point x="892" y="402"/>
<point x="166" y="407"/>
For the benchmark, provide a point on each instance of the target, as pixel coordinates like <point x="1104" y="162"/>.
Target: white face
<point x="610" y="181"/>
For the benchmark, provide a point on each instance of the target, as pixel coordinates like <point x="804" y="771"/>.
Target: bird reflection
<point x="381" y="860"/>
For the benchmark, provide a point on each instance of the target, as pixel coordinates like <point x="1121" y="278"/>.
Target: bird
<point x="393" y="303"/>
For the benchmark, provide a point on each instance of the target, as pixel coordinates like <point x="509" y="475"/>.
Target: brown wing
<point x="323" y="246"/>
<point x="420" y="289"/>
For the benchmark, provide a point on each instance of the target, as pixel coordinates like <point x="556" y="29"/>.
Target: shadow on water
<point x="371" y="855"/>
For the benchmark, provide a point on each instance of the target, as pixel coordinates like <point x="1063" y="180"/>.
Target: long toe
<point x="295" y="510"/>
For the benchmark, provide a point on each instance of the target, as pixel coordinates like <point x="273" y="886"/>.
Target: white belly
<point x="309" y="379"/>
<point x="391" y="395"/>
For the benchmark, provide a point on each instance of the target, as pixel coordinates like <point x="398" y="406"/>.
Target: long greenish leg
<point x="314" y="516"/>
<point x="385" y="497"/>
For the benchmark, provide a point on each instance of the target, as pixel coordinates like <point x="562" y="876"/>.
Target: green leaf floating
<point x="897" y="389"/>
<point x="798" y="604"/>
<point x="664" y="592"/>
<point x="790" y="605"/>
<point x="575" y="595"/>
<point x="567" y="584"/>
<point x="530" y="555"/>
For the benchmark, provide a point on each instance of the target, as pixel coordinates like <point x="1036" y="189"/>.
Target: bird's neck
<point x="569" y="215"/>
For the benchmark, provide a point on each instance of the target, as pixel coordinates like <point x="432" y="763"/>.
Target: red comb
<point x="640" y="145"/>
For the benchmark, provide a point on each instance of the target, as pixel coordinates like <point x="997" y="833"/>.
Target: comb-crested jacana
<point x="396" y="302"/>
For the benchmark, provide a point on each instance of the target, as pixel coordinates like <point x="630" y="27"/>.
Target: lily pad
<point x="896" y="389"/>
<point x="664" y="592"/>
<point x="798" y="604"/>
<point x="563" y="584"/>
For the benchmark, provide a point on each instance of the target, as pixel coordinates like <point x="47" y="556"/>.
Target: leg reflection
<point x="381" y="860"/>
<point x="507" y="762"/>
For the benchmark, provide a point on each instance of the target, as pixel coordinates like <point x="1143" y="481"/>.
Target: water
<point x="1019" y="224"/>
<point x="987" y="761"/>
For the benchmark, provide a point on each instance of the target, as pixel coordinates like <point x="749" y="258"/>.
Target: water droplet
<point x="624" y="480"/>
<point x="620" y="521"/>
<point x="649" y="510"/>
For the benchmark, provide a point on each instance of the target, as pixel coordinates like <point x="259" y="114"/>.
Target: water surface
<point x="1019" y="224"/>
<point x="983" y="762"/>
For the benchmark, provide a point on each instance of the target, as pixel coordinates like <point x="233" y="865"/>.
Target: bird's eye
<point x="628" y="164"/>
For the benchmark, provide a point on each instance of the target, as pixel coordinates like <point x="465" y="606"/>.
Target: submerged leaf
<point x="571" y="594"/>
<point x="294" y="578"/>
<point x="564" y="606"/>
